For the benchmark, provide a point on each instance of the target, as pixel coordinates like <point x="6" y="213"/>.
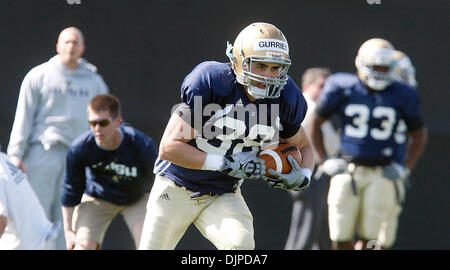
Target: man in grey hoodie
<point x="51" y="112"/>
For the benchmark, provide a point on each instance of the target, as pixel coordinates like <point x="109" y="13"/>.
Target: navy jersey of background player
<point x="119" y="176"/>
<point x="214" y="82"/>
<point x="368" y="120"/>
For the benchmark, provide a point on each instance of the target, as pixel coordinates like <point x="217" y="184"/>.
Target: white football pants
<point x="225" y="219"/>
<point x="372" y="212"/>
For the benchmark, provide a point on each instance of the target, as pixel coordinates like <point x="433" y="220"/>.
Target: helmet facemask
<point x="377" y="80"/>
<point x="273" y="85"/>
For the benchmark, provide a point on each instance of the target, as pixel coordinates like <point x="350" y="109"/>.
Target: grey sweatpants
<point x="45" y="170"/>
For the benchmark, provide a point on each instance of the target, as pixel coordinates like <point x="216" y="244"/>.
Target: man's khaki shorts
<point x="93" y="216"/>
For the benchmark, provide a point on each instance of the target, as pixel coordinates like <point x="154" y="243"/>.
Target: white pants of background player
<point x="45" y="170"/>
<point x="225" y="219"/>
<point x="372" y="212"/>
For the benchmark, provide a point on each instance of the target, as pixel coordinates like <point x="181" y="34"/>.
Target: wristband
<point x="212" y="162"/>
<point x="306" y="172"/>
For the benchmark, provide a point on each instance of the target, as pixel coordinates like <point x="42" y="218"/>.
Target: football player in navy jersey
<point x="366" y="186"/>
<point x="210" y="145"/>
<point x="109" y="171"/>
<point x="405" y="72"/>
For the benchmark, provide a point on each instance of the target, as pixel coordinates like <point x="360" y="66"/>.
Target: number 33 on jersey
<point x="371" y="123"/>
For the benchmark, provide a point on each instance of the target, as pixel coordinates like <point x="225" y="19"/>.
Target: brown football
<point x="275" y="157"/>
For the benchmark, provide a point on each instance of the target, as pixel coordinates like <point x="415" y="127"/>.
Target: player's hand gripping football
<point x="294" y="180"/>
<point x="243" y="165"/>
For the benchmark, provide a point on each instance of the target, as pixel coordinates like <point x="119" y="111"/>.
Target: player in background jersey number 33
<point x="366" y="185"/>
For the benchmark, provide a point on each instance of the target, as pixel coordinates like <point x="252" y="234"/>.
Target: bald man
<point x="51" y="112"/>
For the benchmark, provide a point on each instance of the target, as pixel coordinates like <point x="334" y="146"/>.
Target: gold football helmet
<point x="375" y="63"/>
<point x="260" y="42"/>
<point x="404" y="70"/>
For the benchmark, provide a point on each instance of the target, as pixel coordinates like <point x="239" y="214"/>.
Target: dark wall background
<point x="144" y="49"/>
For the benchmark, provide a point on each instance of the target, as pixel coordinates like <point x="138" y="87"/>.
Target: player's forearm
<point x="303" y="143"/>
<point x="67" y="212"/>
<point x="174" y="145"/>
<point x="317" y="138"/>
<point x="307" y="157"/>
<point x="416" y="147"/>
<point x="182" y="154"/>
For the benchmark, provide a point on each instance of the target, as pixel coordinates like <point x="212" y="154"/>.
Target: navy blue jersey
<point x="400" y="138"/>
<point x="369" y="120"/>
<point x="119" y="176"/>
<point x="229" y="123"/>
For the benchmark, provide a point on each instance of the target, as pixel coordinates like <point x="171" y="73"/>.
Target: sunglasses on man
<point x="102" y="123"/>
